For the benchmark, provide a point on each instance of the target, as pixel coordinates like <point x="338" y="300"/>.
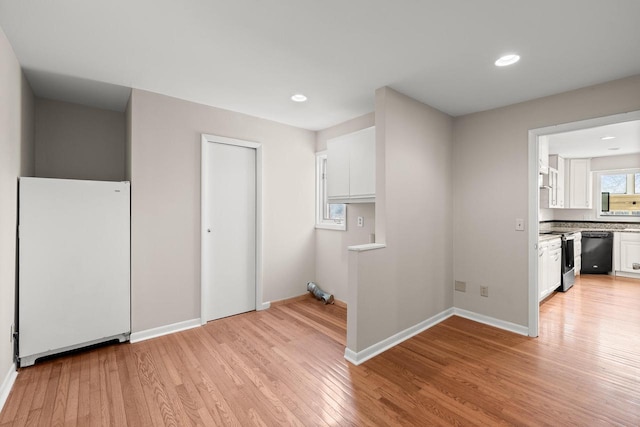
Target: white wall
<point x="331" y="245"/>
<point x="165" y="180"/>
<point x="491" y="159"/>
<point x="628" y="161"/>
<point x="79" y="142"/>
<point x="410" y="280"/>
<point x="16" y="159"/>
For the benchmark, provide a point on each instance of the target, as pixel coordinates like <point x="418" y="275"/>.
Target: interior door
<point x="230" y="230"/>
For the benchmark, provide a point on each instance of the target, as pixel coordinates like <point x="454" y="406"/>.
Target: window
<point x="614" y="184"/>
<point x="331" y="216"/>
<point x="620" y="193"/>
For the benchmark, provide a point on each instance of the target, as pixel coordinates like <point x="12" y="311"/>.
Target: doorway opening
<point x="535" y="137"/>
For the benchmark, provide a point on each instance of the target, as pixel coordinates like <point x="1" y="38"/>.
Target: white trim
<point x="392" y="341"/>
<point x="626" y="275"/>
<point x="533" y="309"/>
<point x="204" y="251"/>
<point x="492" y="321"/>
<point x="7" y="385"/>
<point x="330" y="226"/>
<point x="366" y="247"/>
<point x="264" y="306"/>
<point x="597" y="189"/>
<point x="322" y="223"/>
<point x="360" y="357"/>
<point x="163" y="330"/>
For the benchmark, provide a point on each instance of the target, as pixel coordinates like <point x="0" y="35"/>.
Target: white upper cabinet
<point x="557" y="162"/>
<point x="351" y="167"/>
<point x="580" y="183"/>
<point x="543" y="155"/>
<point x="552" y="192"/>
<point x="337" y="169"/>
<point x="549" y="191"/>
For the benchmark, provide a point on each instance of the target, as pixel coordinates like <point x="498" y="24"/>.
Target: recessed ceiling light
<point x="614" y="148"/>
<point x="606" y="138"/>
<point x="298" y="97"/>
<point x="507" y="60"/>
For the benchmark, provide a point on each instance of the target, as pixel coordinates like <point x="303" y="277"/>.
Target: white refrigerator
<point x="73" y="265"/>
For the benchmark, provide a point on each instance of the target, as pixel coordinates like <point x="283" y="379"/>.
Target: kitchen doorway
<point x="534" y="200"/>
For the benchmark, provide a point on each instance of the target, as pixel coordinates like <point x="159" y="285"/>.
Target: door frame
<point x="534" y="199"/>
<point x="205" y="292"/>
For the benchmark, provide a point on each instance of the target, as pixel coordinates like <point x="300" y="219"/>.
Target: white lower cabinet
<point x="543" y="260"/>
<point x="555" y="267"/>
<point x="549" y="266"/>
<point x="630" y="252"/>
<point x="577" y="252"/>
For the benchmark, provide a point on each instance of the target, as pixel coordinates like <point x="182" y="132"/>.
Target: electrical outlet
<point x="360" y="221"/>
<point x="519" y="224"/>
<point x="484" y="291"/>
<point x="460" y="286"/>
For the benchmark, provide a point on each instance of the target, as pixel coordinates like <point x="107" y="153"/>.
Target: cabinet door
<point x="543" y="259"/>
<point x="553" y="182"/>
<point x="549" y="194"/>
<point x="560" y="182"/>
<point x="577" y="252"/>
<point x="630" y="256"/>
<point x="362" y="164"/>
<point x="554" y="270"/>
<point x="543" y="154"/>
<point x="580" y="185"/>
<point x="338" y="168"/>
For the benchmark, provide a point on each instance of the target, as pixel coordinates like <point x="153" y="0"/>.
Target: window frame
<point x="598" y="191"/>
<point x="321" y="198"/>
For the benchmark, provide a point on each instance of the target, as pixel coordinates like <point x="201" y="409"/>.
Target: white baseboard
<point x="7" y="384"/>
<point x="392" y="341"/>
<point x="264" y="306"/>
<point x="627" y="275"/>
<point x="491" y="321"/>
<point x="384" y="345"/>
<point x="163" y="330"/>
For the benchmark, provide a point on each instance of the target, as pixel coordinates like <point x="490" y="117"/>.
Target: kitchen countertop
<point x="546" y="237"/>
<point x="577" y="226"/>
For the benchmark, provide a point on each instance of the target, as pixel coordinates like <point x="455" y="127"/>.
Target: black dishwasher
<point x="597" y="251"/>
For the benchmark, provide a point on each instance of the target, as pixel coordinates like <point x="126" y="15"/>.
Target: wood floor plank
<point x="135" y="405"/>
<point x="71" y="407"/>
<point x="285" y="366"/>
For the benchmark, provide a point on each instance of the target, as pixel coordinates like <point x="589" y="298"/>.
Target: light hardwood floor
<point x="285" y="366"/>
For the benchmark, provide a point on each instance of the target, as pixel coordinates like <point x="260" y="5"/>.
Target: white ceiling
<point x="588" y="142"/>
<point x="251" y="55"/>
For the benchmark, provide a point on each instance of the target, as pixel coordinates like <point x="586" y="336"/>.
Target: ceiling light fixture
<point x="298" y="97"/>
<point x="507" y="60"/>
<point x="606" y="138"/>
